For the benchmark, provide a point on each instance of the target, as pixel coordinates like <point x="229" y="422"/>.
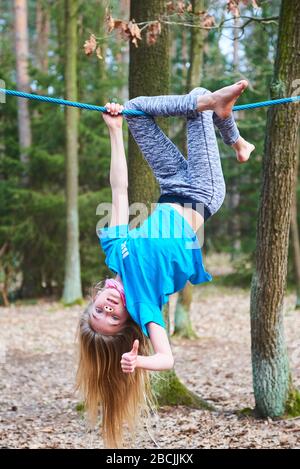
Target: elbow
<point x="170" y="363"/>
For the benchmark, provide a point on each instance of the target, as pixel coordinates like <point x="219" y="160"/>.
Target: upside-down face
<point x="108" y="314"/>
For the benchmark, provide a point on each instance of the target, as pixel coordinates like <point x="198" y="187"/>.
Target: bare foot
<point x="243" y="149"/>
<point x="222" y="101"/>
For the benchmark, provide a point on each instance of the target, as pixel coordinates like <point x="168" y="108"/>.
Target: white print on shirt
<point x="124" y="250"/>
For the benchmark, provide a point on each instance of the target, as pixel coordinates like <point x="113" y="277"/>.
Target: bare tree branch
<point x="250" y="19"/>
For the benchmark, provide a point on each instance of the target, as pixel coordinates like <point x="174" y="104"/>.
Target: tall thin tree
<point x="195" y="70"/>
<point x="22" y="78"/>
<point x="273" y="390"/>
<point x="31" y="281"/>
<point x="72" y="283"/>
<point x="233" y="195"/>
<point x="42" y="34"/>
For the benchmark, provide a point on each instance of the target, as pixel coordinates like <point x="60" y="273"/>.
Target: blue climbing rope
<point x="133" y="112"/>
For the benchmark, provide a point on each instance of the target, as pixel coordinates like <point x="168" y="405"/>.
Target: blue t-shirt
<point x="153" y="261"/>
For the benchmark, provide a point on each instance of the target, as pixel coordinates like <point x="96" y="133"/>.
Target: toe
<point x="243" y="83"/>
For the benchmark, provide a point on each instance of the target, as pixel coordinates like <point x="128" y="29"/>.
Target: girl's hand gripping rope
<point x="129" y="359"/>
<point x="113" y="115"/>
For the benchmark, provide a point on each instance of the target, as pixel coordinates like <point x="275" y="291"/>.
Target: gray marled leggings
<point x="198" y="180"/>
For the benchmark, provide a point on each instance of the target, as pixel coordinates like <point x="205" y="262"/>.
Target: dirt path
<point x="38" y="403"/>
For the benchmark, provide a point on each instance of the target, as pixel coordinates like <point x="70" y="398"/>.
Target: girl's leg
<point x="201" y="179"/>
<point x="165" y="105"/>
<point x="227" y="127"/>
<point x="204" y="164"/>
<point x="168" y="164"/>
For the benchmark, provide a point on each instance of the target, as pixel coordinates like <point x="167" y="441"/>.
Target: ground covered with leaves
<point x="39" y="408"/>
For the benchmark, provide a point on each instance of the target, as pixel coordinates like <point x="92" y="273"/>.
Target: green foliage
<point x="293" y="404"/>
<point x="246" y="412"/>
<point x="46" y="170"/>
<point x="170" y="391"/>
<point x="81" y="409"/>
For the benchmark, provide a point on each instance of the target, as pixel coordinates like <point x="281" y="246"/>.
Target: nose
<point x="109" y="309"/>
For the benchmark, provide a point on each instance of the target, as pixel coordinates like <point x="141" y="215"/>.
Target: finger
<point x="126" y="364"/>
<point x="117" y="110"/>
<point x="127" y="367"/>
<point x="126" y="361"/>
<point x="135" y="347"/>
<point x="113" y="107"/>
<point x="127" y="370"/>
<point x="126" y="357"/>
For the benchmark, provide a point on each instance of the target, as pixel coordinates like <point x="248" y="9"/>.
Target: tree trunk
<point x="295" y="236"/>
<point x="233" y="195"/>
<point x="195" y="71"/>
<point x="274" y="394"/>
<point x="170" y="391"/>
<point x="236" y="34"/>
<point x="146" y="64"/>
<point x="22" y="79"/>
<point x="101" y="21"/>
<point x="42" y="34"/>
<point x="31" y="279"/>
<point x="72" y="284"/>
<point x="183" y="323"/>
<point x="4" y="267"/>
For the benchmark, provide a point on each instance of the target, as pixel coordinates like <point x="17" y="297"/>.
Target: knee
<point x="134" y="103"/>
<point x="131" y="104"/>
<point x="221" y="193"/>
<point x="218" y="199"/>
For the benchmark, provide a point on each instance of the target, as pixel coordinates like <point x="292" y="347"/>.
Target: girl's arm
<point x="118" y="165"/>
<point x="163" y="358"/>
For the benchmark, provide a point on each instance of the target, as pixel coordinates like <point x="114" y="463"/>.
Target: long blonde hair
<point x="124" y="398"/>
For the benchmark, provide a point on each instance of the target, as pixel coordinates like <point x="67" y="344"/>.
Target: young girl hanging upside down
<point x="158" y="258"/>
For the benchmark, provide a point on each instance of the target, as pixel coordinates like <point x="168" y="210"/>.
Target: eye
<point x="98" y="310"/>
<point x="115" y="318"/>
